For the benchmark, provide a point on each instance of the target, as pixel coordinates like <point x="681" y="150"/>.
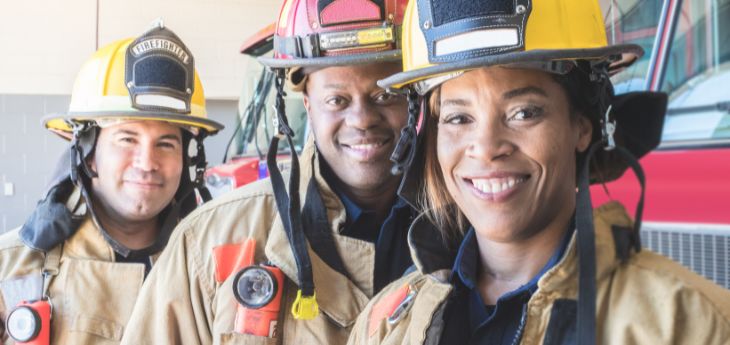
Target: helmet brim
<point x="402" y="79"/>
<point x="60" y="122"/>
<point x="331" y="61"/>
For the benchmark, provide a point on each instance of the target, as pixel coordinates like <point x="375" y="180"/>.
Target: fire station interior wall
<point x="43" y="43"/>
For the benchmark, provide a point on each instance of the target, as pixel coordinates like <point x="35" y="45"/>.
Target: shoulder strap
<point x="51" y="265"/>
<point x="317" y="229"/>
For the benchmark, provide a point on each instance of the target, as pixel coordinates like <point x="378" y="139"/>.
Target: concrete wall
<point x="43" y="43"/>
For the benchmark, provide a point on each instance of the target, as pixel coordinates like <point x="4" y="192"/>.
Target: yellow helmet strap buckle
<point x="160" y="72"/>
<point x="492" y="27"/>
<point x="305" y="307"/>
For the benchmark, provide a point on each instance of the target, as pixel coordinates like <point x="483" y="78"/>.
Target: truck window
<point x="256" y="113"/>
<point x="697" y="64"/>
<point x="698" y="73"/>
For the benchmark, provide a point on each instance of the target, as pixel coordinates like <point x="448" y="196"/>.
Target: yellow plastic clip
<point x="305" y="308"/>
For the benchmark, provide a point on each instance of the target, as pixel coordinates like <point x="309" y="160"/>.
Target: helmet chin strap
<point x="586" y="245"/>
<point x="200" y="162"/>
<point x="405" y="149"/>
<point x="82" y="143"/>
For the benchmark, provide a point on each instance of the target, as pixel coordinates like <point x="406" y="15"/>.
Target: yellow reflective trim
<point x="375" y="36"/>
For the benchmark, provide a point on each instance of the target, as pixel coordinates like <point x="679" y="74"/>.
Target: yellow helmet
<point x="148" y="78"/>
<point x="443" y="38"/>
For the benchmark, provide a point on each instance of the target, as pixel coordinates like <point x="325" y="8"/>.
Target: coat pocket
<point x="248" y="339"/>
<point x="97" y="327"/>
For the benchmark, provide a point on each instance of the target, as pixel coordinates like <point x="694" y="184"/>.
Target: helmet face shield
<point x="159" y="72"/>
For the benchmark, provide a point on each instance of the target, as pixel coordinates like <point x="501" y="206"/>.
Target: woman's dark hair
<point x="587" y="97"/>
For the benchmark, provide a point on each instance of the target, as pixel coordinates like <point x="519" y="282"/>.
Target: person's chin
<point x="144" y="208"/>
<point x="370" y="178"/>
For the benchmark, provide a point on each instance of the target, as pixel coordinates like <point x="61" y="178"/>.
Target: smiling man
<point x="71" y="273"/>
<point x="352" y="239"/>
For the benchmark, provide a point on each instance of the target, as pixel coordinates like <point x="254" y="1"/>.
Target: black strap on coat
<point x="318" y="231"/>
<point x="587" y="245"/>
<point x="288" y="203"/>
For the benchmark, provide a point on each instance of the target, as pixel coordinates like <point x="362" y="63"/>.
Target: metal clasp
<point x="403" y="307"/>
<point x="609" y="129"/>
<point x="278" y="132"/>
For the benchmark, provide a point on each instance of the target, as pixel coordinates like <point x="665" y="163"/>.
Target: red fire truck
<point x="687" y="208"/>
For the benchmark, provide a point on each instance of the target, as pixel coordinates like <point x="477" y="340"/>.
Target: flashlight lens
<point x="254" y="287"/>
<point x="23" y="324"/>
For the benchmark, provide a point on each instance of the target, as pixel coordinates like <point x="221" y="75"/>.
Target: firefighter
<point x="71" y="273"/>
<point x="520" y="112"/>
<point x="337" y="224"/>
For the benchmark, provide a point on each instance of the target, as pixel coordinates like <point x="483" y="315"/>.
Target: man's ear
<point x="91" y="162"/>
<point x="307" y="105"/>
<point x="584" y="132"/>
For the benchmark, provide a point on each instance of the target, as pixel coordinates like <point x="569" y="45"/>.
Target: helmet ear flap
<point x="297" y="78"/>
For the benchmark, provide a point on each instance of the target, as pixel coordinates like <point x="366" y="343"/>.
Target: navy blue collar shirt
<point x="468" y="320"/>
<point x="392" y="254"/>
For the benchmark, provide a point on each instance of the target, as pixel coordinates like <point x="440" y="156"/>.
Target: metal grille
<point x="703" y="248"/>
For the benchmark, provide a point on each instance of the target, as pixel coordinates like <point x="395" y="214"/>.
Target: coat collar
<point x="434" y="256"/>
<point x="88" y="243"/>
<point x="430" y="250"/>
<point x="606" y="218"/>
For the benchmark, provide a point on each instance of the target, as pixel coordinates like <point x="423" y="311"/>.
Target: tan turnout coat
<point x="182" y="303"/>
<point x="647" y="300"/>
<point x="92" y="296"/>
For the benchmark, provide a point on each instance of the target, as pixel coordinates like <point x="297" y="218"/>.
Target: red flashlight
<point x="30" y="323"/>
<point x="258" y="290"/>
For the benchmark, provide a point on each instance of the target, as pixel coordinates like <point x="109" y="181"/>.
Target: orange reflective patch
<point x="385" y="307"/>
<point x="231" y="258"/>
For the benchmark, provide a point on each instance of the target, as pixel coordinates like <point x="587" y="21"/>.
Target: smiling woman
<point x="492" y="113"/>
<point x="514" y="135"/>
